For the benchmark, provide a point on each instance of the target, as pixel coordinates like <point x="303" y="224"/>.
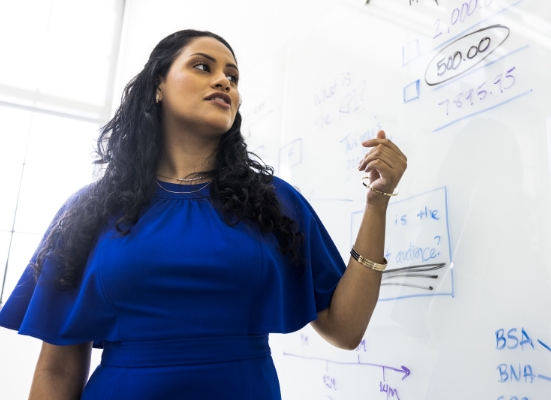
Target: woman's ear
<point x="159" y="91"/>
<point x="158" y="95"/>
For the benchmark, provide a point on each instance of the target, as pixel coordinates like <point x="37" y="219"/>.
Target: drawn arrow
<point x="544" y="345"/>
<point x="545" y="378"/>
<point x="404" y="370"/>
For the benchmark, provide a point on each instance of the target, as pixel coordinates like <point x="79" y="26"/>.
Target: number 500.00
<point x="473" y="51"/>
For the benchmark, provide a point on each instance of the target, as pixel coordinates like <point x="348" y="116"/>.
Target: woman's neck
<point x="183" y="158"/>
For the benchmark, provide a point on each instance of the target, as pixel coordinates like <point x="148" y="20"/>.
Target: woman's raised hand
<point x="385" y="164"/>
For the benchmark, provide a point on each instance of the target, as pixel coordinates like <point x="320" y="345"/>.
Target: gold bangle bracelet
<point x="367" y="185"/>
<point x="368" y="263"/>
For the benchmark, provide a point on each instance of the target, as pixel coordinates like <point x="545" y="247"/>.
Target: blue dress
<point x="183" y="305"/>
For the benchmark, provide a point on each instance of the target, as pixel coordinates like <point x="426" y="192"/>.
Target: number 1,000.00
<point x="481" y="92"/>
<point x="483" y="45"/>
<point x="460" y="14"/>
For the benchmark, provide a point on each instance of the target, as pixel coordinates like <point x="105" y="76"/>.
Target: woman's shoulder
<point x="290" y="198"/>
<point x="285" y="191"/>
<point x="284" y="187"/>
<point x="74" y="199"/>
<point x="83" y="191"/>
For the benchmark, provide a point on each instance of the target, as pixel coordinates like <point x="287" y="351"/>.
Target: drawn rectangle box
<point x="291" y="154"/>
<point x="410" y="51"/>
<point x="417" y="235"/>
<point x="412" y="91"/>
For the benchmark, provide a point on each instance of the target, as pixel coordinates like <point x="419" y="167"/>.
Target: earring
<point x="157" y="98"/>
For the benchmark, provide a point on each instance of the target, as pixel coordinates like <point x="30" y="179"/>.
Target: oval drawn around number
<point x="465" y="53"/>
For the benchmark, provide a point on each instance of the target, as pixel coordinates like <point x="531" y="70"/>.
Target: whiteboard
<point x="464" y="89"/>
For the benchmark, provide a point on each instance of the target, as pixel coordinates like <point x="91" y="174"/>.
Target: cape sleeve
<point x="289" y="298"/>
<point x="62" y="317"/>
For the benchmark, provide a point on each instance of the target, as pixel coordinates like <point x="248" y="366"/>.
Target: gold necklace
<point x="182" y="179"/>
<point x="193" y="191"/>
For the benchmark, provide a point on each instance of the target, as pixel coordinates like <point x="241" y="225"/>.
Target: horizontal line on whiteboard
<point x="478" y="23"/>
<point x="416" y="295"/>
<point x="344" y="362"/>
<point x="483" y="111"/>
<point x="415" y="195"/>
<point x="402" y="200"/>
<point x="478" y="69"/>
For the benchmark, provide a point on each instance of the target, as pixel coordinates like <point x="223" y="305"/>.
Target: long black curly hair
<point x="129" y="145"/>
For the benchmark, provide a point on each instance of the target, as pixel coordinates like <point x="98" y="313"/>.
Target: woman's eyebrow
<point x="211" y="58"/>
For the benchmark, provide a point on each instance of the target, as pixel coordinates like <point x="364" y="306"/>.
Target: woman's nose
<point x="222" y="82"/>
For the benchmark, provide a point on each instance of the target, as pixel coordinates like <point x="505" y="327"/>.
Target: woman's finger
<point x="384" y="170"/>
<point x="385" y="142"/>
<point x="386" y="154"/>
<point x="380" y="173"/>
<point x="379" y="152"/>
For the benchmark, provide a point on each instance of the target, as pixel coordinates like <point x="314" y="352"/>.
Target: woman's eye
<point x="201" y="66"/>
<point x="233" y="78"/>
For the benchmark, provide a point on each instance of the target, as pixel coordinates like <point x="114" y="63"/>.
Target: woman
<point x="183" y="257"/>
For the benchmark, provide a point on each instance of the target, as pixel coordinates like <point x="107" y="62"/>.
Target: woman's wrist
<point x="376" y="201"/>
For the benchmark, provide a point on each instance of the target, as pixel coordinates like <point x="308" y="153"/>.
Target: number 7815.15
<point x="502" y="82"/>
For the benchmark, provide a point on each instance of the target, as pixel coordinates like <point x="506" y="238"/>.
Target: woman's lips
<point x="220" y="98"/>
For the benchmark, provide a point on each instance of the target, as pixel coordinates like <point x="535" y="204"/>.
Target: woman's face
<point x="199" y="93"/>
